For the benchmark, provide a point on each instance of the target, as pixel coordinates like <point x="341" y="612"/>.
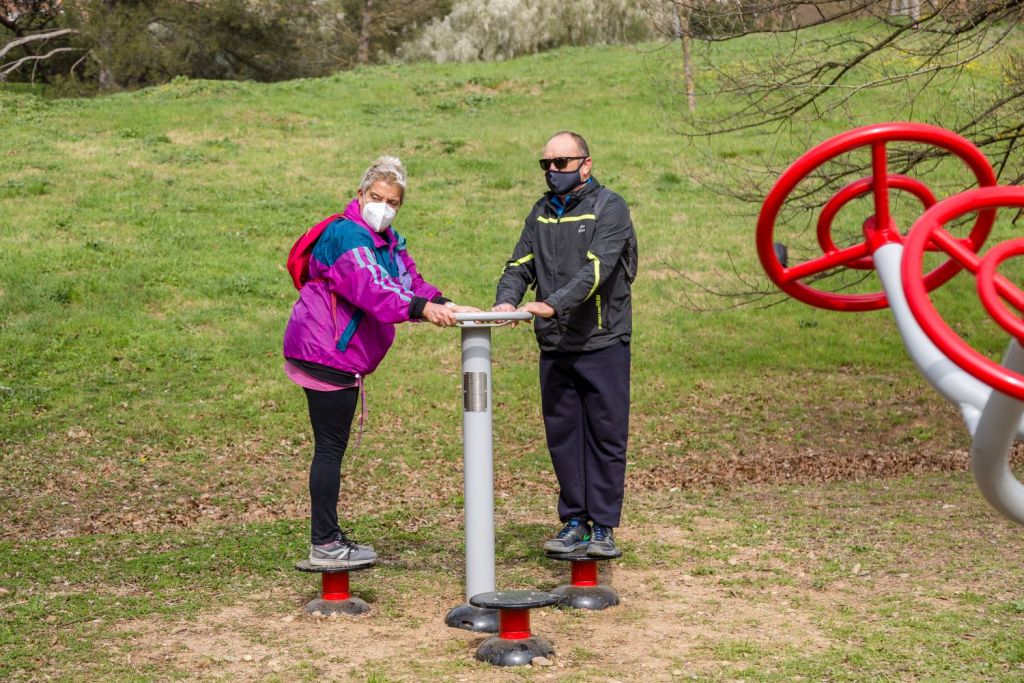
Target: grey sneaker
<point x="602" y="543"/>
<point x="341" y="552"/>
<point x="575" y="535"/>
<point x="343" y="537"/>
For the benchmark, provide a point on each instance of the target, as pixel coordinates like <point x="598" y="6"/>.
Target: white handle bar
<point x="490" y="318"/>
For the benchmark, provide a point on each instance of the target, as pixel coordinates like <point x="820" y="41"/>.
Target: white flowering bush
<point x="489" y="30"/>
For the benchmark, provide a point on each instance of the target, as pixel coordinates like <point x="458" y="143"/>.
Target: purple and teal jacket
<point x="361" y="283"/>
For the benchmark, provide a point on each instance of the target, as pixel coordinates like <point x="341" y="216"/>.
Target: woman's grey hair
<point x="386" y="168"/>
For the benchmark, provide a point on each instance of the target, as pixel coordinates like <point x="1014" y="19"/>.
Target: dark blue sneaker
<point x="575" y="535"/>
<point x="602" y="543"/>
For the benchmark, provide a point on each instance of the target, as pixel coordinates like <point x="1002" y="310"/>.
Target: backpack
<point x="298" y="257"/>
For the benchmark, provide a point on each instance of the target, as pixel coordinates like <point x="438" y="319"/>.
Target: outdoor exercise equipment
<point x="879" y="229"/>
<point x="962" y="375"/>
<point x="514" y="645"/>
<point x="1000" y="421"/>
<point x="584" y="590"/>
<point x="478" y="467"/>
<point x="335" y="597"/>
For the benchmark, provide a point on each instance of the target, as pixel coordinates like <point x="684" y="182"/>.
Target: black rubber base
<point x="586" y="597"/>
<point x="581" y="555"/>
<point x="470" y="618"/>
<point x="512" y="599"/>
<point x="502" y="652"/>
<point x="305" y="566"/>
<point x="352" y="607"/>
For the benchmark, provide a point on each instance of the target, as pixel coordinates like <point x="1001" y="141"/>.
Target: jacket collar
<point x="555" y="202"/>
<point x="380" y="239"/>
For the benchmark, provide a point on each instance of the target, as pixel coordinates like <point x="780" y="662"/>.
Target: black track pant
<point x="330" y="413"/>
<point x="585" y="401"/>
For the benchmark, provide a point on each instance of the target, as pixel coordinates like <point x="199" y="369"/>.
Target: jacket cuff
<point x="416" y="307"/>
<point x="554" y="301"/>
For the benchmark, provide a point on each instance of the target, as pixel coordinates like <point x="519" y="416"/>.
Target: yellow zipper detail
<point x="598" y="300"/>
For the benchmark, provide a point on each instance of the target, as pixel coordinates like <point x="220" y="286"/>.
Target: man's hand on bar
<point x="539" y="309"/>
<point x="505" y="308"/>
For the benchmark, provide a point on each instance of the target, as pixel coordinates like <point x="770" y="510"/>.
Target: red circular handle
<point x="880" y="225"/>
<point x="854" y="190"/>
<point x="993" y="288"/>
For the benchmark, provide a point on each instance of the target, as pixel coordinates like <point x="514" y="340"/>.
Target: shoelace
<point x="600" y="533"/>
<point x="568" y="529"/>
<point x="346" y="541"/>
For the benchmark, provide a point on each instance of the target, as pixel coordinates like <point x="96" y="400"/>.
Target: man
<point x="578" y="250"/>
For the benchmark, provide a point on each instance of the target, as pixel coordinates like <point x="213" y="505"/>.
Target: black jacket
<point x="581" y="265"/>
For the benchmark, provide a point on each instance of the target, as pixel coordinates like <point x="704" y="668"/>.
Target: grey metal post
<point x="993" y="419"/>
<point x="961" y="389"/>
<point x="478" y="466"/>
<point x="990" y="449"/>
<point x="478" y="459"/>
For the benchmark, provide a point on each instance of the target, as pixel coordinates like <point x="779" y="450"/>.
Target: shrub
<point x="490" y="30"/>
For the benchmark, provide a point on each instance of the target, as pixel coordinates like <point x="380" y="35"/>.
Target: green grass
<point x="153" y="454"/>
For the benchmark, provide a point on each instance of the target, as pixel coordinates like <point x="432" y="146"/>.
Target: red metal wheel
<point x="994" y="290"/>
<point x="879" y="228"/>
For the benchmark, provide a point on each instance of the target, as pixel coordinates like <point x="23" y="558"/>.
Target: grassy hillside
<point x="143" y="298"/>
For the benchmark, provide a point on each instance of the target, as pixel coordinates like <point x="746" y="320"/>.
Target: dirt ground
<point x="660" y="631"/>
<point x="765" y="604"/>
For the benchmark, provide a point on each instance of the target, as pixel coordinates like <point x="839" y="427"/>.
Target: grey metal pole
<point x="478" y="467"/>
<point x="993" y="418"/>
<point x="990" y="449"/>
<point x="955" y="384"/>
<point x="478" y="459"/>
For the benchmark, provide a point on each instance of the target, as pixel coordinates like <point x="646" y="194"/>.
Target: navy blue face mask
<point x="562" y="182"/>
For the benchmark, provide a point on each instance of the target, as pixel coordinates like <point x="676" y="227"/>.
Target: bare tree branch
<point x="35" y="37"/>
<point x="6" y="69"/>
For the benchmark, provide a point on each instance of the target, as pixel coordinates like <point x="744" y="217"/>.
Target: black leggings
<point x="330" y="413"/>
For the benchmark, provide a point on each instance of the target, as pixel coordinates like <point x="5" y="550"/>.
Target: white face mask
<point x="378" y="215"/>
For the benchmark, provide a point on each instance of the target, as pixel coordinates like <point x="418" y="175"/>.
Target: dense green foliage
<point x="147" y="42"/>
<point x="126" y="44"/>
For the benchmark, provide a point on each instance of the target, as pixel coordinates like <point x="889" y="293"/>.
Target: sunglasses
<point x="559" y="162"/>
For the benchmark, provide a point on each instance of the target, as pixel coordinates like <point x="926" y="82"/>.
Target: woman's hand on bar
<point x="440" y="315"/>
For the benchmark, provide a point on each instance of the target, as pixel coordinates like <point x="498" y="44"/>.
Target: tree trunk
<point x="363" y="53"/>
<point x="682" y="27"/>
<point x="905" y="8"/>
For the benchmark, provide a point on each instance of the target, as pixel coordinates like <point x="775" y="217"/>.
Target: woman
<point x="361" y="282"/>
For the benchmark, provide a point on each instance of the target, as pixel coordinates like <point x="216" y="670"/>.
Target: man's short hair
<point x="577" y="138"/>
